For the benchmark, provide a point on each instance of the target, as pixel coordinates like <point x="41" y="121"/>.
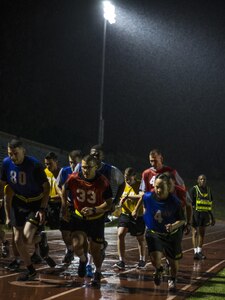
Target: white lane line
<point x="198" y="278"/>
<point x="168" y="298"/>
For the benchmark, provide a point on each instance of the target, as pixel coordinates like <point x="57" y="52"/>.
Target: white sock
<point x="199" y="249"/>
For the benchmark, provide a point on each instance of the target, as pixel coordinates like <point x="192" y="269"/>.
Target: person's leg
<point x="174" y="266"/>
<point x="142" y="250"/>
<point x="80" y="248"/>
<point x="156" y="257"/>
<point x="21" y="243"/>
<point x="121" y="234"/>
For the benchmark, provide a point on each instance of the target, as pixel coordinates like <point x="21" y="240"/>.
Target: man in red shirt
<point x="157" y="167"/>
<point x="92" y="197"/>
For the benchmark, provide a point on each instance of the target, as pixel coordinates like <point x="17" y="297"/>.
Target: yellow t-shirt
<point x="52" y="181"/>
<point x="129" y="204"/>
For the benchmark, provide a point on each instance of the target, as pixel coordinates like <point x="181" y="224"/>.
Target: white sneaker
<point x="172" y="285"/>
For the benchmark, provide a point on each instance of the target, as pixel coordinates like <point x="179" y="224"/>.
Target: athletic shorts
<point x="94" y="229"/>
<point x="2" y="214"/>
<point x="200" y="218"/>
<point x="136" y="227"/>
<point x="23" y="212"/>
<point x="53" y="215"/>
<point x="169" y="244"/>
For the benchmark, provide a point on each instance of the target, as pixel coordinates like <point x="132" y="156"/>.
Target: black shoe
<point x="120" y="265"/>
<point x="157" y="276"/>
<point x="82" y="268"/>
<point x="172" y="286"/>
<point x="27" y="276"/>
<point x="141" y="264"/>
<point x="13" y="266"/>
<point x="36" y="259"/>
<point x="50" y="262"/>
<point x="43" y="245"/>
<point x="201" y="255"/>
<point x="96" y="281"/>
<point x="5" y="249"/>
<point x="68" y="258"/>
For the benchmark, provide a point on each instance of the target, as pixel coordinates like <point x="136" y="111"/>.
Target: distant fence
<point x="35" y="149"/>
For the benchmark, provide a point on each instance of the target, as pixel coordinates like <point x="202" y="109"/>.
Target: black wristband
<point x="94" y="210"/>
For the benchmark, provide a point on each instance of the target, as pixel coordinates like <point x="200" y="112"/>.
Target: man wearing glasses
<point x="92" y="197"/>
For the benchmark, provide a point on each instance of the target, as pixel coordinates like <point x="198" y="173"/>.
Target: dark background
<point x="164" y="79"/>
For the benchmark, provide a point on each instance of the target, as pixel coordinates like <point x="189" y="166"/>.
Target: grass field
<point x="214" y="289"/>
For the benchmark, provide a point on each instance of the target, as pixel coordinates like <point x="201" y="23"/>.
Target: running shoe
<point x="157" y="276"/>
<point x="141" y="264"/>
<point x="36" y="259"/>
<point x="68" y="258"/>
<point x="120" y="265"/>
<point x="96" y="281"/>
<point x="82" y="268"/>
<point x="5" y="249"/>
<point x="14" y="265"/>
<point x="27" y="276"/>
<point x="172" y="285"/>
<point x="201" y="255"/>
<point x="89" y="272"/>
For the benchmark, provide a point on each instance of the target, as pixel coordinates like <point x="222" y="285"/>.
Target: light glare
<point x="109" y="12"/>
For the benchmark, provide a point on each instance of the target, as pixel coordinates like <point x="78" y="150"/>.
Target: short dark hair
<point x="97" y="147"/>
<point x="155" y="151"/>
<point x="14" y="143"/>
<point x="89" y="158"/>
<point x="51" y="155"/>
<point x="75" y="153"/>
<point x="130" y="171"/>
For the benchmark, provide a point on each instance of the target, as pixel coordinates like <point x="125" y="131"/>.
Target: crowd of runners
<point x="79" y="198"/>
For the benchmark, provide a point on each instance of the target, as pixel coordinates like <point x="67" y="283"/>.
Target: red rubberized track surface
<point x="119" y="285"/>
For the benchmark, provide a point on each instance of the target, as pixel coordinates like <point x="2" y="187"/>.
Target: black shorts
<point x="94" y="229"/>
<point x="169" y="244"/>
<point x="136" y="227"/>
<point x="2" y="214"/>
<point x="53" y="215"/>
<point x="200" y="218"/>
<point x="23" y="212"/>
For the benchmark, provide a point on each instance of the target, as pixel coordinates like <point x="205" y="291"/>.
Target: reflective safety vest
<point x="203" y="200"/>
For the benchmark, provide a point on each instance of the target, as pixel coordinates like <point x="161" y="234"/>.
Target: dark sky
<point x="164" y="78"/>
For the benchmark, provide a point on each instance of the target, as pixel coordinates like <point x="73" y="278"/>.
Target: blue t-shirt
<point x="26" y="179"/>
<point x="158" y="213"/>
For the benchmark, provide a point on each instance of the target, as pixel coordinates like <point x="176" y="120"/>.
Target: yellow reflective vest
<point x="203" y="200"/>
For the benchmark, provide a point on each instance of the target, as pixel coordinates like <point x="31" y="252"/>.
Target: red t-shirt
<point x="88" y="193"/>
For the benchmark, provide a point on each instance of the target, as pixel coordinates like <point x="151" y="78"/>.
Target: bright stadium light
<point x="110" y="16"/>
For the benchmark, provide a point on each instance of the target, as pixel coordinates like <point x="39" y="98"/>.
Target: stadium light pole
<point x="109" y="15"/>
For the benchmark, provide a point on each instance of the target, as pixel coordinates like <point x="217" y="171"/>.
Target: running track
<point x="129" y="284"/>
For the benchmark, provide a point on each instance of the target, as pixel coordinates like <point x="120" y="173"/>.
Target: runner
<point x="202" y="201"/>
<point x="126" y="223"/>
<point x="26" y="177"/>
<point x="75" y="157"/>
<point x="117" y="183"/>
<point x="157" y="167"/>
<point x="92" y="197"/>
<point x="163" y="217"/>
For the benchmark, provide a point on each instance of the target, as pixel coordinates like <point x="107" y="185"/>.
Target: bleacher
<point x="33" y="148"/>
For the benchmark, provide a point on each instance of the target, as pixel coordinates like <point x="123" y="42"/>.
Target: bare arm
<point x="104" y="207"/>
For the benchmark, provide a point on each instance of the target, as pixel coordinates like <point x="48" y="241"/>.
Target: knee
<point x="121" y="235"/>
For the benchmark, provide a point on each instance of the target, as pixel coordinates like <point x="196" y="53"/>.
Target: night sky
<point x="164" y="78"/>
